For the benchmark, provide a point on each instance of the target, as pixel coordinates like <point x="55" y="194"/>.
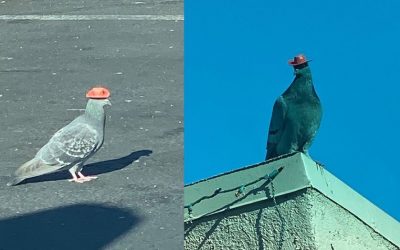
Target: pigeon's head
<point x="299" y="61"/>
<point x="100" y="95"/>
<point x="103" y="102"/>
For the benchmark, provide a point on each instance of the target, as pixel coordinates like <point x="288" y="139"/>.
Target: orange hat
<point x="299" y="59"/>
<point x="98" y="93"/>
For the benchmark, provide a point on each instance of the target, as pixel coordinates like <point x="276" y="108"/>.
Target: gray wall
<point x="301" y="220"/>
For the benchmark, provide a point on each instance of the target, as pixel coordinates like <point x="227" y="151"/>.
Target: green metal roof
<point x="285" y="175"/>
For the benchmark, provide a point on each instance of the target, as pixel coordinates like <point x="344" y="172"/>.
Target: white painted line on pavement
<point x="93" y="17"/>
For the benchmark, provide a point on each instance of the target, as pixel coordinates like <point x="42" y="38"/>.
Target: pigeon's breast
<point x="305" y="119"/>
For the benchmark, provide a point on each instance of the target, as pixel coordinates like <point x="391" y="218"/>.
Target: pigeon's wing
<point x="70" y="145"/>
<point x="276" y="126"/>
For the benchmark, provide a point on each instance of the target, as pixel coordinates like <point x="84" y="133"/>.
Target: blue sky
<point x="236" y="55"/>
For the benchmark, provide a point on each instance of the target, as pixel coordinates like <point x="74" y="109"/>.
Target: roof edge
<point x="278" y="177"/>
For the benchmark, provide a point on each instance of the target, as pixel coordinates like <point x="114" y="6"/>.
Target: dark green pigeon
<point x="296" y="115"/>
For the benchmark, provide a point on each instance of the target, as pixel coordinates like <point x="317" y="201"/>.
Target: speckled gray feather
<point x="296" y="117"/>
<point x="69" y="147"/>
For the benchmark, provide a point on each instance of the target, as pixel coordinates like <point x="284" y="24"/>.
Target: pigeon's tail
<point x="15" y="181"/>
<point x="32" y="168"/>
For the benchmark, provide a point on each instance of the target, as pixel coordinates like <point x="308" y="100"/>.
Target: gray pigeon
<point x="72" y="145"/>
<point x="296" y="115"/>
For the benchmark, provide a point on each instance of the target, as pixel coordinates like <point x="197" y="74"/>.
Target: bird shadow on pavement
<point x="78" y="226"/>
<point x="95" y="168"/>
<point x="115" y="164"/>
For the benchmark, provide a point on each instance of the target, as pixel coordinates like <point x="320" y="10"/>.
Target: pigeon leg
<point x="75" y="178"/>
<point x="86" y="178"/>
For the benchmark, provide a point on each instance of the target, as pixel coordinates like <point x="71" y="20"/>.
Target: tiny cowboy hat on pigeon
<point x="98" y="93"/>
<point x="298" y="60"/>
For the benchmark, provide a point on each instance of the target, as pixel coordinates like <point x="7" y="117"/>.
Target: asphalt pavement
<point x="46" y="66"/>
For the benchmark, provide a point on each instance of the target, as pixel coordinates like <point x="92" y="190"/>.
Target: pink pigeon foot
<point x="81" y="178"/>
<point x="86" y="178"/>
<point x="76" y="179"/>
